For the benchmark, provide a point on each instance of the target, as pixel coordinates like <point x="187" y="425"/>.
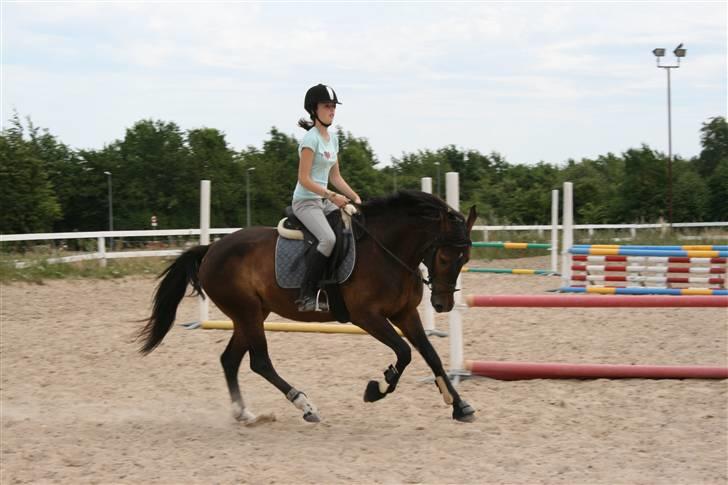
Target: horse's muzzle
<point x="442" y="303"/>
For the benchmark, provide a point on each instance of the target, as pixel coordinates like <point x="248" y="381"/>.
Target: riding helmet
<point x="319" y="94"/>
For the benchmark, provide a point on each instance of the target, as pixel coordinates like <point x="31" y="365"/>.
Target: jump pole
<point x="510" y="371"/>
<point x="298" y="327"/>
<point x="596" y="301"/>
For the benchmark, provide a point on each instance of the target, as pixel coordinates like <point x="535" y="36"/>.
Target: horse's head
<point x="449" y="251"/>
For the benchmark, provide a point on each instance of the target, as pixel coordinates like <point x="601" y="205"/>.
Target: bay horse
<point x="398" y="232"/>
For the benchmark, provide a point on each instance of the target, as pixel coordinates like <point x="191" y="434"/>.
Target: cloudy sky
<point x="534" y="81"/>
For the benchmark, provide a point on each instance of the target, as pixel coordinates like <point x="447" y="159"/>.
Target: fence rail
<point x="103" y="253"/>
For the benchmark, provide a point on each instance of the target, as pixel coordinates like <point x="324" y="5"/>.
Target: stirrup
<point x="322" y="306"/>
<point x="312" y="304"/>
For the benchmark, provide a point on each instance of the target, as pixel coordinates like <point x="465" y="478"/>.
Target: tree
<point x="27" y="198"/>
<point x="645" y="185"/>
<point x="714" y="139"/>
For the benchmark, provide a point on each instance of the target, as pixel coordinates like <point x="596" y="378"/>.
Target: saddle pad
<point x="291" y="263"/>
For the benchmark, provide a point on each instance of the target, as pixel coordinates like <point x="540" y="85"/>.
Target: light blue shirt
<point x="325" y="155"/>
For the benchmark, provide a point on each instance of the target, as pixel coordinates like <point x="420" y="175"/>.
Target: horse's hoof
<point x="312" y="417"/>
<point x="372" y="392"/>
<point x="463" y="412"/>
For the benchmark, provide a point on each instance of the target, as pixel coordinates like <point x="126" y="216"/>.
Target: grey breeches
<point x="312" y="213"/>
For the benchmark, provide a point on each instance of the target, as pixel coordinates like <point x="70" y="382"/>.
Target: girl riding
<point x="312" y="200"/>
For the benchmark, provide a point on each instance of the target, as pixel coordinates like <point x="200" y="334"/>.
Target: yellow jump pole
<point x="293" y="327"/>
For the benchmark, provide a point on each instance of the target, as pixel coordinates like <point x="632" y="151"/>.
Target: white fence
<point x="103" y="253"/>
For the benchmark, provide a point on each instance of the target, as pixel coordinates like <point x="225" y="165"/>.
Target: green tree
<point x="358" y="165"/>
<point x="645" y="186"/>
<point x="714" y="139"/>
<point x="26" y="195"/>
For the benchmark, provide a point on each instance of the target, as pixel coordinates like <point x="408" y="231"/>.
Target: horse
<point x="395" y="233"/>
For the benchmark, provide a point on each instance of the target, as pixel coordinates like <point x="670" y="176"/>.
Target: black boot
<point x="315" y="266"/>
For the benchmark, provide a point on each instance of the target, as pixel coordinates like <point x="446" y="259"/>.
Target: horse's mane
<point x="411" y="202"/>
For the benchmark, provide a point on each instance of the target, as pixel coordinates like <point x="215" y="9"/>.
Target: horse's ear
<point x="472" y="215"/>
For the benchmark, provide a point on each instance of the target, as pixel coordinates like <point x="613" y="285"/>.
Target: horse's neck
<point x="407" y="241"/>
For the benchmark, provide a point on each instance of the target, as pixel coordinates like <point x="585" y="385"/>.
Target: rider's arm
<point x="337" y="180"/>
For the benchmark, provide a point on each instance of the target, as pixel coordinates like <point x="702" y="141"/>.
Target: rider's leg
<point x="311" y="214"/>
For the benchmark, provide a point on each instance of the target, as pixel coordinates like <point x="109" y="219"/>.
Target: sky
<point x="532" y="81"/>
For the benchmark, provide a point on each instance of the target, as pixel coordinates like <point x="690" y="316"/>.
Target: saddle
<point x="294" y="242"/>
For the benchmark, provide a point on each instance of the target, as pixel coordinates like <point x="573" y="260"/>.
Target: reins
<point x="431" y="248"/>
<point x="417" y="274"/>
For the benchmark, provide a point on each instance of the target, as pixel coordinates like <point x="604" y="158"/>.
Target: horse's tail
<point x="169" y="294"/>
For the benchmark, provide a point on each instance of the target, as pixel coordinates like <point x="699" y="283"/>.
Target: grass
<point x="40" y="271"/>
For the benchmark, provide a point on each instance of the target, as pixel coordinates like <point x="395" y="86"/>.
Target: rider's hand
<point x="339" y="200"/>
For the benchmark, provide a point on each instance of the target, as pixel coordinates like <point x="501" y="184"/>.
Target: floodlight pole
<point x="679" y="52"/>
<point x="111" y="210"/>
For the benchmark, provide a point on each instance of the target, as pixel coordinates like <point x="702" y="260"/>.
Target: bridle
<point x="455" y="267"/>
<point x="440" y="241"/>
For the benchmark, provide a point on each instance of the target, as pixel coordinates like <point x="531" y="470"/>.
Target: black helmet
<point x="318" y="94"/>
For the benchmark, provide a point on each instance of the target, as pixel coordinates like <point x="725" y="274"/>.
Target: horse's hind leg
<point x="230" y="360"/>
<point x="261" y="364"/>
<point x="411" y="325"/>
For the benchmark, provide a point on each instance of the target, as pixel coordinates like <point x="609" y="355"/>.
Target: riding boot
<point x="315" y="267"/>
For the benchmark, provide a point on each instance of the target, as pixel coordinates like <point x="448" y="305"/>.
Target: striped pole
<point x="701" y="247"/>
<point x="508" y="271"/>
<point x="649" y="279"/>
<point x="635" y="268"/>
<point x="638" y="290"/>
<point x="648" y="259"/>
<point x="647" y="252"/>
<point x="511" y="245"/>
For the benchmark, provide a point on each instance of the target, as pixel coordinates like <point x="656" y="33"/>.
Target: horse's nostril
<point x="438" y="307"/>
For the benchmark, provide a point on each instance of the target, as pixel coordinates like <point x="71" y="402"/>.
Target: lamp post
<point x="679" y="53"/>
<point x="111" y="210"/>
<point x="247" y="194"/>
<point x="437" y="164"/>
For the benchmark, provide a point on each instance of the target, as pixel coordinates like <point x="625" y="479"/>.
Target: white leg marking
<point x="310" y="413"/>
<point x="443" y="390"/>
<point x="383" y="386"/>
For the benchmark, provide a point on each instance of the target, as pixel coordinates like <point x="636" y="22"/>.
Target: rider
<point x="318" y="164"/>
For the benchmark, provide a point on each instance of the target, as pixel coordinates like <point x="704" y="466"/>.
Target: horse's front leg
<point x="380" y="328"/>
<point x="411" y="325"/>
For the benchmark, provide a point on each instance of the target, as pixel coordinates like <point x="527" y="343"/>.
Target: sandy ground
<point x="80" y="405"/>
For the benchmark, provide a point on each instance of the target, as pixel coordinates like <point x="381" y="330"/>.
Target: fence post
<point x="101" y="245"/>
<point x="204" y="237"/>
<point x="452" y="190"/>
<point x="555" y="231"/>
<point x="567" y="237"/>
